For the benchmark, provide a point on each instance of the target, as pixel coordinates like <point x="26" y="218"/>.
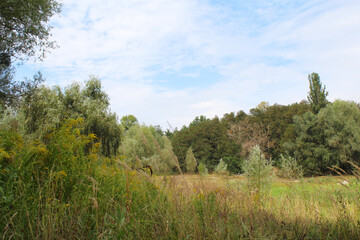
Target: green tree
<point x="290" y="168"/>
<point x="208" y="139"/>
<point x="143" y="145"/>
<point x="24" y="33"/>
<point x="317" y="94"/>
<point x="203" y="169"/>
<point x="190" y="161"/>
<point x="329" y="138"/>
<point x="46" y="108"/>
<point x="128" y="121"/>
<point x="24" y="29"/>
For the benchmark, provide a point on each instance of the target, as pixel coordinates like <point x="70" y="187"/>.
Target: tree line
<point x="319" y="134"/>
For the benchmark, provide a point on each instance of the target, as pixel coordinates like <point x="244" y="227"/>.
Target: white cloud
<point x="262" y="51"/>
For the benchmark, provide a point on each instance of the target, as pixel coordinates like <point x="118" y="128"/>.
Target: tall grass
<point x="54" y="189"/>
<point x="58" y="191"/>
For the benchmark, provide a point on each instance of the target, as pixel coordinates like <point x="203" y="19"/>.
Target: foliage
<point x="290" y="168"/>
<point x="234" y="164"/>
<point x="23" y="26"/>
<point x="221" y="168"/>
<point x="249" y="134"/>
<point x="258" y="172"/>
<point x="208" y="139"/>
<point x="46" y="108"/>
<point x="279" y="123"/>
<point x="24" y="32"/>
<point x="232" y="138"/>
<point x="329" y="138"/>
<point x="12" y="93"/>
<point x="128" y="121"/>
<point x="203" y="169"/>
<point x="143" y="145"/>
<point x="56" y="190"/>
<point x="317" y="95"/>
<point x="191" y="163"/>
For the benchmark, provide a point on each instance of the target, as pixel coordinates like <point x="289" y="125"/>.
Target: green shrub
<point x="190" y="161"/>
<point x="202" y="169"/>
<point x="290" y="167"/>
<point x="258" y="172"/>
<point x="221" y="168"/>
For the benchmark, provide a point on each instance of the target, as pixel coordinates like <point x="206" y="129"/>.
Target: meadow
<point x="217" y="207"/>
<point x="63" y="189"/>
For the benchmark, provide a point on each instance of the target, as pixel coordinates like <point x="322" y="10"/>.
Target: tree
<point x="208" y="139"/>
<point x="128" y="121"/>
<point x="143" y="145"/>
<point x="190" y="161"/>
<point x="248" y="134"/>
<point x="46" y="108"/>
<point x="317" y="95"/>
<point x="24" y="33"/>
<point x="290" y="167"/>
<point x="329" y="138"/>
<point x="24" y="29"/>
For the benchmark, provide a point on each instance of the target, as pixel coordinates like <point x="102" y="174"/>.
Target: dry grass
<point x="318" y="208"/>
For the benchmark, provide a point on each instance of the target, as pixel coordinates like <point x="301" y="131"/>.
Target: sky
<point x="168" y="61"/>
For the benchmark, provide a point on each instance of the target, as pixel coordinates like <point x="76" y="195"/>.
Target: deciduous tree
<point x="317" y="94"/>
<point x="25" y="33"/>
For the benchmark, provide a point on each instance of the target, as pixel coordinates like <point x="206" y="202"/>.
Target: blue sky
<point x="175" y="60"/>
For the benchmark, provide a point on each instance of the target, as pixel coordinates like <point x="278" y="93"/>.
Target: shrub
<point x="290" y="167"/>
<point x="258" y="172"/>
<point x="202" y="169"/>
<point x="190" y="161"/>
<point x="221" y="168"/>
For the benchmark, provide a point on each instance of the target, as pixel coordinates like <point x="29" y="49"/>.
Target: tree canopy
<point x="25" y="33"/>
<point x="24" y="29"/>
<point x="328" y="138"/>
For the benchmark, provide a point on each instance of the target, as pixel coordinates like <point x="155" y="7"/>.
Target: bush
<point x="290" y="167"/>
<point x="202" y="169"/>
<point x="190" y="161"/>
<point x="221" y="168"/>
<point x="258" y="172"/>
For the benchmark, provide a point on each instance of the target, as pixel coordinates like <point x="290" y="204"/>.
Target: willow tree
<point x="47" y="107"/>
<point x="143" y="145"/>
<point x="25" y="33"/>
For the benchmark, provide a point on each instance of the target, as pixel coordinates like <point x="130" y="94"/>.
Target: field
<point x="87" y="197"/>
<point x="217" y="207"/>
